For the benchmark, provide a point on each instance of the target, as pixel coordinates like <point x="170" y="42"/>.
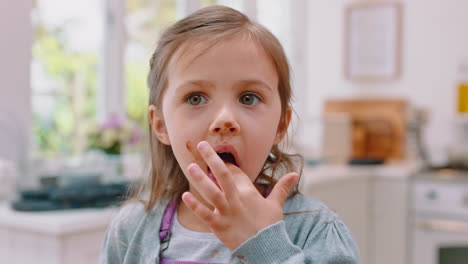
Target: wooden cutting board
<point x="378" y="126"/>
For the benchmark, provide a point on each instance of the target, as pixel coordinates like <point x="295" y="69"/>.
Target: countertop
<point x="337" y="171"/>
<point x="448" y="176"/>
<point x="56" y="222"/>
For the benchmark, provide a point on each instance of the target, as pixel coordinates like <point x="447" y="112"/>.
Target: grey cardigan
<point x="317" y="236"/>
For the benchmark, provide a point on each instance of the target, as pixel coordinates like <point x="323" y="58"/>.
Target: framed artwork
<point x="372" y="41"/>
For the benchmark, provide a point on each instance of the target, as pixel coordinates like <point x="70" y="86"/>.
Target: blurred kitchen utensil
<point x="378" y="126"/>
<point x="336" y="137"/>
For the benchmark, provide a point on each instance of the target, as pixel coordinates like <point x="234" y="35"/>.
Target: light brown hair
<point x="209" y="26"/>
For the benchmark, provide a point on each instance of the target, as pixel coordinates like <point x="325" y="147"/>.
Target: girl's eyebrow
<point x="199" y="83"/>
<point x="241" y="83"/>
<point x="254" y="82"/>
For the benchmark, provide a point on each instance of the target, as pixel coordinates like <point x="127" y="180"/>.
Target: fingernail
<point x="294" y="178"/>
<point x="202" y="146"/>
<point x="188" y="197"/>
<point x="193" y="168"/>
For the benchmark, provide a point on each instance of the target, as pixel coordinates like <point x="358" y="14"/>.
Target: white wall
<point x="435" y="39"/>
<point x="15" y="94"/>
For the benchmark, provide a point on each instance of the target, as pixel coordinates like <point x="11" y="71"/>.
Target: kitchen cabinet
<point x="56" y="237"/>
<point x="373" y="201"/>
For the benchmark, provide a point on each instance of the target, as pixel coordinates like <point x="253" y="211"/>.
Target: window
<point x="64" y="71"/>
<point x="145" y="21"/>
<point x="91" y="59"/>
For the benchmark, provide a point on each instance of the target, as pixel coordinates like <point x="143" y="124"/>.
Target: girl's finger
<point x="282" y="188"/>
<point x="218" y="168"/>
<point x="199" y="209"/>
<point x="206" y="187"/>
<point x="243" y="182"/>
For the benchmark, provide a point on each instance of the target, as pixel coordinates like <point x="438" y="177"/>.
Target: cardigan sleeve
<point x="111" y="250"/>
<point x="119" y="242"/>
<point x="328" y="241"/>
<point x="115" y="244"/>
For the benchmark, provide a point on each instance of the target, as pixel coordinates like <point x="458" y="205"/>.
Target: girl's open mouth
<point x="227" y="157"/>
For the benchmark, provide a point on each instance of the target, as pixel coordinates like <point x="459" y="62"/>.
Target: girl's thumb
<point x="282" y="188"/>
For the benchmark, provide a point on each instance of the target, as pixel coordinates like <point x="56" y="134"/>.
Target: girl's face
<point x="227" y="96"/>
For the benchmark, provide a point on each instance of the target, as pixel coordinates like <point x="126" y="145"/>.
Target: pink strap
<point x="167" y="261"/>
<point x="168" y="220"/>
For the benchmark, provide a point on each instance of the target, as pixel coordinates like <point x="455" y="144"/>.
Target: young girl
<point x="218" y="193"/>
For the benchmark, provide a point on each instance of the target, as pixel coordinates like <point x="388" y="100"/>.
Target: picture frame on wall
<point x="372" y="41"/>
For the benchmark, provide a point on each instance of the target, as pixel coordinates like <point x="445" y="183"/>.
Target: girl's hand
<point x="240" y="211"/>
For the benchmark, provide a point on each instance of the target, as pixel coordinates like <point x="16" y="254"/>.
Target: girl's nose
<point x="225" y="124"/>
<point x="225" y="128"/>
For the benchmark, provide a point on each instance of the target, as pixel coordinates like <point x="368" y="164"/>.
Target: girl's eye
<point x="249" y="99"/>
<point x="196" y="99"/>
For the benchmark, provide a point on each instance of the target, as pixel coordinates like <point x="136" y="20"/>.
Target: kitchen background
<point x="69" y="69"/>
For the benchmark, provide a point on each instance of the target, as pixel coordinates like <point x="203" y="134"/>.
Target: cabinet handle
<point x="443" y="225"/>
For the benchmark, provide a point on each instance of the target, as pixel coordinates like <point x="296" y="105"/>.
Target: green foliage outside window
<point x="146" y="20"/>
<point x="63" y="131"/>
<point x="136" y="98"/>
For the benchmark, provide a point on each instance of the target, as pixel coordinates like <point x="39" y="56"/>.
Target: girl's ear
<point x="157" y="125"/>
<point x="283" y="126"/>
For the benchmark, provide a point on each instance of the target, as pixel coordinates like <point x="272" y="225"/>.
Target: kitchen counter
<point x="444" y="176"/>
<point x="372" y="200"/>
<point x="61" y="222"/>
<point x="323" y="173"/>
<point x="52" y="237"/>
